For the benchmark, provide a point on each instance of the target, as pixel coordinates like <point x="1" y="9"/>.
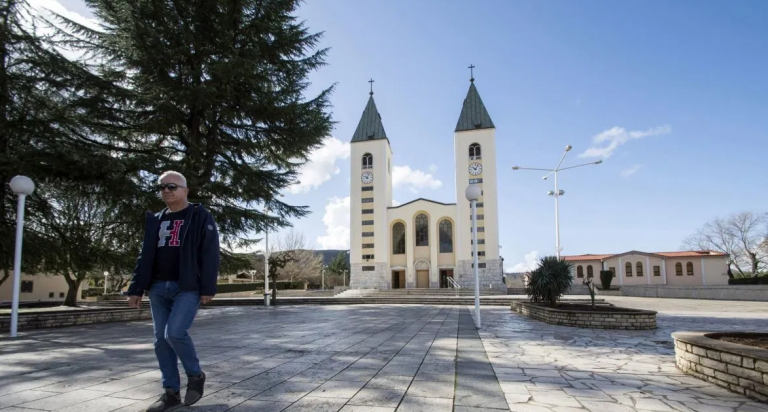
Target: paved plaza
<point x="380" y="358"/>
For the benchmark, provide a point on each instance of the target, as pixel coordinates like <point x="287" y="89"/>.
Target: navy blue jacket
<point x="198" y="258"/>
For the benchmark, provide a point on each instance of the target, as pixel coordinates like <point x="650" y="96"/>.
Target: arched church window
<point x="590" y="272"/>
<point x="422" y="230"/>
<point x="689" y="268"/>
<point x="367" y="161"/>
<point x="446" y="236"/>
<point x="398" y="239"/>
<point x="579" y="271"/>
<point x="474" y="151"/>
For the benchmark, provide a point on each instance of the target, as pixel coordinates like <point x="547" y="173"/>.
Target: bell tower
<point x="475" y="150"/>
<point x="370" y="195"/>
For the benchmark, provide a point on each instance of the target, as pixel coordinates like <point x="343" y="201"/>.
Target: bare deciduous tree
<point x="741" y="235"/>
<point x="305" y="265"/>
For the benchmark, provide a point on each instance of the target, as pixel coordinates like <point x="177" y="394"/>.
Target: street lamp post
<point x="473" y="193"/>
<point x="266" y="264"/>
<point x="23" y="187"/>
<point x="322" y="274"/>
<point x="344" y="279"/>
<point x="106" y="274"/>
<point x="557" y="192"/>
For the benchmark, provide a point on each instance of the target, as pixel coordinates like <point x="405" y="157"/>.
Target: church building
<point x="424" y="243"/>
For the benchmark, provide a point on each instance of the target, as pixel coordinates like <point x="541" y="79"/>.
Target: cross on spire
<point x="471" y="72"/>
<point x="371" y="82"/>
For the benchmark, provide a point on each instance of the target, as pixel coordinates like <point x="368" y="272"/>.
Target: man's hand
<point x="206" y="299"/>
<point x="134" y="302"/>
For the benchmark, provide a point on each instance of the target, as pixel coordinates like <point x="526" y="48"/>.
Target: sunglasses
<point x="170" y="186"/>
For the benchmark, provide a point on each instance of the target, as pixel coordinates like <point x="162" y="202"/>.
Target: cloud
<point x="395" y="203"/>
<point x="616" y="137"/>
<point x="321" y="166"/>
<point x="336" y="220"/>
<point x="531" y="261"/>
<point x="415" y="180"/>
<point x="632" y="170"/>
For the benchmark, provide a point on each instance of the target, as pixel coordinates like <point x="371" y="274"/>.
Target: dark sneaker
<point x="169" y="400"/>
<point x="195" y="386"/>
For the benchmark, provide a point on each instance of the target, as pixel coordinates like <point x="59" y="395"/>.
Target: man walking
<point x="177" y="268"/>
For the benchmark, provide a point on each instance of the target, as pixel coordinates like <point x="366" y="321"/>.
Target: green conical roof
<point x="473" y="113"/>
<point x="370" y="126"/>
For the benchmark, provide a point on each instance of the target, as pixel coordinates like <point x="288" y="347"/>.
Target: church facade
<point x="423" y="243"/>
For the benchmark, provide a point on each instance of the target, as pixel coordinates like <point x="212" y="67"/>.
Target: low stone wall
<point x="739" y="368"/>
<point x="730" y="292"/>
<point x="604" y="318"/>
<point x="40" y="320"/>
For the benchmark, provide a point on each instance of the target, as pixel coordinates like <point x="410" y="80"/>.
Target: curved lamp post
<point x="23" y="187"/>
<point x="557" y="192"/>
<point x="473" y="193"/>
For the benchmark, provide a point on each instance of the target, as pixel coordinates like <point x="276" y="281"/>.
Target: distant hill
<point x="329" y="254"/>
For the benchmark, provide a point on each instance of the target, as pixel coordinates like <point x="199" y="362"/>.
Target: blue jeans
<point x="173" y="311"/>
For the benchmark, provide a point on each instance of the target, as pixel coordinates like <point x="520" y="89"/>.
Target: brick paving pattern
<point x="379" y="358"/>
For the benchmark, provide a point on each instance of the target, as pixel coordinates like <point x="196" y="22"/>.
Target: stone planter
<point x="584" y="316"/>
<point x="740" y="368"/>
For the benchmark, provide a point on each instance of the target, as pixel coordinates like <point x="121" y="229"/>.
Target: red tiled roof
<point x="685" y="253"/>
<point x="692" y="253"/>
<point x="579" y="258"/>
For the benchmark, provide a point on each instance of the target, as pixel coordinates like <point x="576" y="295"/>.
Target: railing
<point x="454" y="285"/>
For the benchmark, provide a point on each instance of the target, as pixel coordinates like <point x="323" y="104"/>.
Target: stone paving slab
<point x="378" y="358"/>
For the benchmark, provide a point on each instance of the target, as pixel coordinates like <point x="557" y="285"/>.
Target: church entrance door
<point x="444" y="275"/>
<point x="422" y="279"/>
<point x="398" y="279"/>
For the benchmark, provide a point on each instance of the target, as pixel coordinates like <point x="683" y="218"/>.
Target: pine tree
<point x="52" y="114"/>
<point x="218" y="95"/>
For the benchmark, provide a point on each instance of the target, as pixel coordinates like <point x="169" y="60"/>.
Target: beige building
<point x="423" y="243"/>
<point x="37" y="288"/>
<point x="685" y="268"/>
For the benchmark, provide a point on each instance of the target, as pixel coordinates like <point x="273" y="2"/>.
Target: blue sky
<point x="687" y="76"/>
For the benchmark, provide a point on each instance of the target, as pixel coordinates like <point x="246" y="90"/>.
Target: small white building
<point x="38" y="288"/>
<point x="423" y="243"/>
<point x="684" y="268"/>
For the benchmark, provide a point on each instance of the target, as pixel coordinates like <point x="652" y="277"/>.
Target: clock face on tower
<point x="367" y="177"/>
<point x="475" y="169"/>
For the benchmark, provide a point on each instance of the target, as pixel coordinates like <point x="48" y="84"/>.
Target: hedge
<point x="247" y="287"/>
<point x="760" y="280"/>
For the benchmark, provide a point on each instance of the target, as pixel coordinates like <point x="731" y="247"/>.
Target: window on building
<point x="367" y="222"/>
<point x="689" y="268"/>
<point x="474" y="151"/>
<point x="367" y="234"/>
<point x="398" y="239"/>
<point x="50" y="295"/>
<point x="613" y="271"/>
<point x="367" y="257"/>
<point x="679" y="269"/>
<point x="479" y="204"/>
<point x="479" y="242"/>
<point x="639" y="269"/>
<point x="367" y="245"/>
<point x="479" y="217"/>
<point x="479" y="229"/>
<point x="369" y="268"/>
<point x="27" y="286"/>
<point x="479" y="253"/>
<point x="367" y="211"/>
<point x="590" y="273"/>
<point x="657" y="271"/>
<point x="579" y="271"/>
<point x="422" y="230"/>
<point x="477" y="180"/>
<point x="446" y="236"/>
<point x="479" y="265"/>
<point x="367" y="200"/>
<point x="61" y="294"/>
<point x="367" y="189"/>
<point x="628" y="269"/>
<point x="367" y="161"/>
